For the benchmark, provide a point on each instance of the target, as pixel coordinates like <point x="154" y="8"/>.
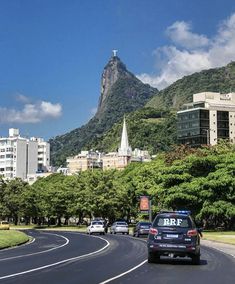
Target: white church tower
<point x="125" y="149"/>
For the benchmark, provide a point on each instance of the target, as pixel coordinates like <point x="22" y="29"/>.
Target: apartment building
<point x="84" y="161"/>
<point x="18" y="156"/>
<point x="210" y="117"/>
<point x="43" y="157"/>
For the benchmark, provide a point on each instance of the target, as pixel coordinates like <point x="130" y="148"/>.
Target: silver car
<point x="119" y="227"/>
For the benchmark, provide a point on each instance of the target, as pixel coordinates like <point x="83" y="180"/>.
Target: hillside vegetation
<point x="213" y="80"/>
<point x="147" y="128"/>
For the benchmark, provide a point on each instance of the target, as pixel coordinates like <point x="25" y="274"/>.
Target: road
<point x="70" y="257"/>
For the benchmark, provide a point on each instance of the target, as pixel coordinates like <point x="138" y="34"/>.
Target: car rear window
<point x="97" y="223"/>
<point x="121" y="223"/>
<point x="172" y="221"/>
<point x="4" y="223"/>
<point x="145" y="224"/>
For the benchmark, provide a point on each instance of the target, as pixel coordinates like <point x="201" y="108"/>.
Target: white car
<point x="119" y="227"/>
<point x="96" y="227"/>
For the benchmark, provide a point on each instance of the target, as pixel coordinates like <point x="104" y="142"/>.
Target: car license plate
<point x="172" y="236"/>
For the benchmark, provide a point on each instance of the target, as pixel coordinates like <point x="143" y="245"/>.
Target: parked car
<point x="119" y="227"/>
<point x="141" y="229"/>
<point x="174" y="234"/>
<point x="96" y="227"/>
<point x="4" y="225"/>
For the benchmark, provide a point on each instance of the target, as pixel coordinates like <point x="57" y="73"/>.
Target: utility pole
<point x="150" y="210"/>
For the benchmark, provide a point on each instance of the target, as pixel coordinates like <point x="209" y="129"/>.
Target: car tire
<point x="196" y="259"/>
<point x="127" y="233"/>
<point x="133" y="234"/>
<point x="114" y="232"/>
<point x="137" y="235"/>
<point x="153" y="258"/>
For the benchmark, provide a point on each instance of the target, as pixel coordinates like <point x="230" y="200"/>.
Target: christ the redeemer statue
<point x="115" y="52"/>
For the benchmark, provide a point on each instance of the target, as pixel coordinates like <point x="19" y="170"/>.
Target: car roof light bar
<point x="185" y="212"/>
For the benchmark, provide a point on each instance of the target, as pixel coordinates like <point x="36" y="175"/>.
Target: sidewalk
<point x="225" y="248"/>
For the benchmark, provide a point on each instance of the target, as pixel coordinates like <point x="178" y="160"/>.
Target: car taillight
<point x="192" y="233"/>
<point x="153" y="231"/>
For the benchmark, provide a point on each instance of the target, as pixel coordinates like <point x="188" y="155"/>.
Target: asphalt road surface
<point x="70" y="257"/>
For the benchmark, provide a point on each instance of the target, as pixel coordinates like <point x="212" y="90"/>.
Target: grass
<point x="64" y="228"/>
<point x="10" y="238"/>
<point x="222" y="237"/>
<point x="79" y="228"/>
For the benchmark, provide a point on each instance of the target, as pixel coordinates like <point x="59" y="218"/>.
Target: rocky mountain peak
<point x="114" y="70"/>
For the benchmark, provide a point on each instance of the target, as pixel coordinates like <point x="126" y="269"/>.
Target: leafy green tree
<point x="13" y="198"/>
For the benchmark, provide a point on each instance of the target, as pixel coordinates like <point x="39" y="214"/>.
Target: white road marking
<point x="57" y="263"/>
<point x="124" y="273"/>
<point x="39" y="252"/>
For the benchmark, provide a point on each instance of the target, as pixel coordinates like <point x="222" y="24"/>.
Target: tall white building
<point x="43" y="157"/>
<point x="19" y="156"/>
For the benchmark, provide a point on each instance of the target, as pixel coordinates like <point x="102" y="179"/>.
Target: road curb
<point x="222" y="247"/>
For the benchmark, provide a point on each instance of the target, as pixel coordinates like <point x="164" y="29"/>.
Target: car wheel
<point x="114" y="232"/>
<point x="133" y="234"/>
<point x="153" y="258"/>
<point x="196" y="259"/>
<point x="137" y="235"/>
<point x="127" y="233"/>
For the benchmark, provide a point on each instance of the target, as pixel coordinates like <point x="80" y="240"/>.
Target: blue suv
<point x="174" y="234"/>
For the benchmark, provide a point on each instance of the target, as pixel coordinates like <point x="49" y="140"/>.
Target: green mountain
<point x="155" y="130"/>
<point x="214" y="80"/>
<point x="121" y="93"/>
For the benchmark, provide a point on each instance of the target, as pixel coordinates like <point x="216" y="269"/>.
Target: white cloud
<point x="191" y="52"/>
<point x="180" y="33"/>
<point x="31" y="113"/>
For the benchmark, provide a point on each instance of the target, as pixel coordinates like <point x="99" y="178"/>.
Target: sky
<point x="52" y="53"/>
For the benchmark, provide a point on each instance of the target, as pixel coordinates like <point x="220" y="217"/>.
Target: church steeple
<point x="125" y="149"/>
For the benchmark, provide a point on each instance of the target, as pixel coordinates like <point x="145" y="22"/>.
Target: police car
<point x="174" y="234"/>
